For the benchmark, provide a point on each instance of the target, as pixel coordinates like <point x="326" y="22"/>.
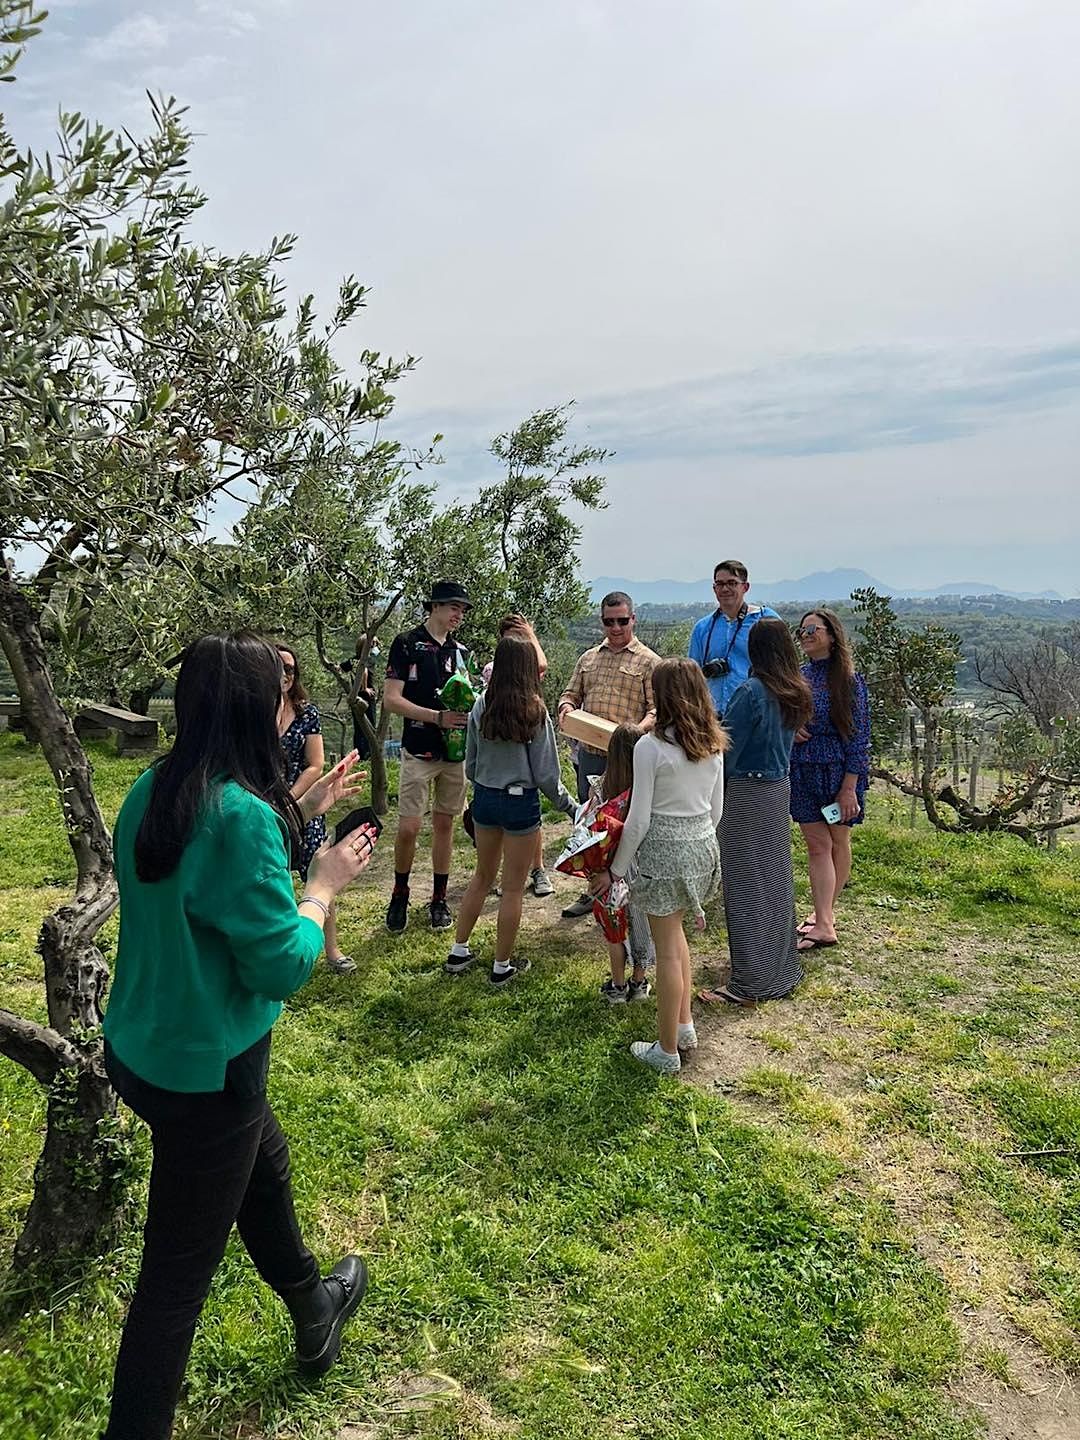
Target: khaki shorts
<point x="416" y="779"/>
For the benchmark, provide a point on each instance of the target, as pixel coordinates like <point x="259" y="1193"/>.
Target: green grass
<point x="568" y="1246"/>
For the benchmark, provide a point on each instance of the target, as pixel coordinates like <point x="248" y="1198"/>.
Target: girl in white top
<point x="670" y="835"/>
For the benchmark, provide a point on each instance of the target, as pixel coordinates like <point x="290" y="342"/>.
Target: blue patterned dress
<point x="818" y="765"/>
<point x="294" y="742"/>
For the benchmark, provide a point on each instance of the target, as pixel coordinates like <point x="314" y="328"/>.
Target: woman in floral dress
<point x="830" y="764"/>
<point x="300" y="726"/>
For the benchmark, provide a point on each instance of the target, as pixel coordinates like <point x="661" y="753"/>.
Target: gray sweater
<point x="498" y="764"/>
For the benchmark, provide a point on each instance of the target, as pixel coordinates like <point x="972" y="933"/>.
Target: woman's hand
<point x="335" y="866"/>
<point x="337" y="784"/>
<point x="802" y="735"/>
<point x="848" y="801"/>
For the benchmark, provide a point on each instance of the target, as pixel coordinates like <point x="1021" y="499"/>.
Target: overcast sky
<point x="808" y="266"/>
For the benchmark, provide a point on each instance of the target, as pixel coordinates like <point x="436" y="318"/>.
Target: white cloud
<point x="764" y="243"/>
<point x="137" y="36"/>
<point x="233" y="19"/>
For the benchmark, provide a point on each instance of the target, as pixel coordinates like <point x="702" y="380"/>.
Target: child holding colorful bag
<point x="626" y="931"/>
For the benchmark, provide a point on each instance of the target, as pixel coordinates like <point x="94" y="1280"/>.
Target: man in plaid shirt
<point x="612" y="680"/>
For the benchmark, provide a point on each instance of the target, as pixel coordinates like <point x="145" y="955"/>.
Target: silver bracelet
<point x="314" y="900"/>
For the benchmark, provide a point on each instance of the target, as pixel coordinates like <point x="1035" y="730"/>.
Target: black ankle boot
<point x="319" y="1314"/>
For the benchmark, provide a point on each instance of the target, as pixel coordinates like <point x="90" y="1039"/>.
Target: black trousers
<point x="219" y="1158"/>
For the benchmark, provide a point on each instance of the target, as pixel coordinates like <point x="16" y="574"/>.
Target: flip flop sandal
<point x="806" y="943"/>
<point x="712" y="997"/>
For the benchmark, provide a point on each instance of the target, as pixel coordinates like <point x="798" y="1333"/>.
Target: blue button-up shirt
<point x="726" y="642"/>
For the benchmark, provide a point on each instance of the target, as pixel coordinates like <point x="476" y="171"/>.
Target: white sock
<point x="500" y="967"/>
<point x="673" y="1054"/>
<point x="460" y="950"/>
<point x="687" y="1029"/>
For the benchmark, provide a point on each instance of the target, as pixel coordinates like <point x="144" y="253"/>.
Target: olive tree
<point x="353" y="541"/>
<point x="142" y="377"/>
<point x="914" y="671"/>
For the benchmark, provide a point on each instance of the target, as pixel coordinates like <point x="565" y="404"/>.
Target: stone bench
<point x="11" y="715"/>
<point x="134" y="733"/>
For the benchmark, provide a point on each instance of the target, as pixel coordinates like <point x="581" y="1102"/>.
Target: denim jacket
<point x="760" y="745"/>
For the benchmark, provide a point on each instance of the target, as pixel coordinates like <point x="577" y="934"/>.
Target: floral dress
<point x="294" y="742"/>
<point x="818" y="765"/>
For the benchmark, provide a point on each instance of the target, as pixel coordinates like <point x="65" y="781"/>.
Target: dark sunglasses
<point x="811" y="630"/>
<point x="621" y="620"/>
<point x="289" y="669"/>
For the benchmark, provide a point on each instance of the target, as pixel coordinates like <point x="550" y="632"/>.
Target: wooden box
<point x="589" y="729"/>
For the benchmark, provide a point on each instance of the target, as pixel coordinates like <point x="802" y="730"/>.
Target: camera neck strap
<point x="744" y="610"/>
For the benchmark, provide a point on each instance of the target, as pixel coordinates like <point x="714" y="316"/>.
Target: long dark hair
<point x="513" y="706"/>
<point x="227" y="697"/>
<point x="619" y="770"/>
<point x="841" y="671"/>
<point x="684" y="706"/>
<point x="295" y="694"/>
<point x="775" y="662"/>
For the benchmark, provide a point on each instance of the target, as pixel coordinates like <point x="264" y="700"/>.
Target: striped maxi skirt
<point x="759" y="891"/>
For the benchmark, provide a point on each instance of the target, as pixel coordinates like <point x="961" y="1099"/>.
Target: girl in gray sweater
<point x="511" y="755"/>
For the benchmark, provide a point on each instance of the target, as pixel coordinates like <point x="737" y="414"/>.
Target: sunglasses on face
<point x="609" y="621"/>
<point x="288" y="669"/>
<point x="809" y="631"/>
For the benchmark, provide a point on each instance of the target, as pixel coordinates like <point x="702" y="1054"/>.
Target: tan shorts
<point x="415" y="782"/>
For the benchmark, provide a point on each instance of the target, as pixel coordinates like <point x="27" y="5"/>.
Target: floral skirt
<point x="678" y="865"/>
<point x="814" y="785"/>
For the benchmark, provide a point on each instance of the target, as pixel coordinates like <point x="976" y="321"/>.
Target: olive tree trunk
<point x="77" y="1186"/>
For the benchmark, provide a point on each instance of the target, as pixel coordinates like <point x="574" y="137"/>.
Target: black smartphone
<point x="365" y="815"/>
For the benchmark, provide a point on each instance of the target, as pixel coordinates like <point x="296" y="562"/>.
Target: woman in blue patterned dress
<point x="830" y="764"/>
<point x="300" y="727"/>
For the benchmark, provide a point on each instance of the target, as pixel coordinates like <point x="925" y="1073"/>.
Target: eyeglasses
<point x="727" y="584"/>
<point x="609" y="621"/>
<point x="811" y="630"/>
<point x="289" y="669"/>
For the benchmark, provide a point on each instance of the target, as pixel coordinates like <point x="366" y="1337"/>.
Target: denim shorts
<point x="500" y="810"/>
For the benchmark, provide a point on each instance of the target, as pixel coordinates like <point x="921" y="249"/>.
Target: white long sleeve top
<point x="667" y="783"/>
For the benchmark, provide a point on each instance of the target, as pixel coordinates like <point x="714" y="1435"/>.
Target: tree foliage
<point x="142" y="377"/>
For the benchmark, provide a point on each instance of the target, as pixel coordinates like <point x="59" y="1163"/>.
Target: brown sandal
<point x="722" y="993"/>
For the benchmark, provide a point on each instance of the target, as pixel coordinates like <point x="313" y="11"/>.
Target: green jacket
<point x="205" y="956"/>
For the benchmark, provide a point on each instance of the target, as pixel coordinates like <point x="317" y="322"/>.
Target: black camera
<point x="715" y="669"/>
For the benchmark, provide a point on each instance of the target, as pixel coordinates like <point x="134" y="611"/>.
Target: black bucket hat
<point x="446" y="592"/>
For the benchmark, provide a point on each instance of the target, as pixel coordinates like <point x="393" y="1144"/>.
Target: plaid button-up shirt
<point x="614" y="684"/>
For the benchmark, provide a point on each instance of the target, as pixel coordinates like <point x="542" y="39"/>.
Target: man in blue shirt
<point x="718" y="642"/>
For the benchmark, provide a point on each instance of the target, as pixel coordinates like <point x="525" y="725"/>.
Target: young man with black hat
<point x="421" y="661"/>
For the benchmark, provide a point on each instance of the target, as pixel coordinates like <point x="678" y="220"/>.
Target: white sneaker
<point x="687" y="1037"/>
<point x="340" y="964"/>
<point x="541" y="883"/>
<point x="654" y="1056"/>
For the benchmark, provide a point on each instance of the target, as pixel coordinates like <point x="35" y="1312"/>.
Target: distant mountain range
<point x="821" y="586"/>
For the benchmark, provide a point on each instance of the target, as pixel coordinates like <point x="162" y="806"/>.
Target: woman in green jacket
<point x="212" y="940"/>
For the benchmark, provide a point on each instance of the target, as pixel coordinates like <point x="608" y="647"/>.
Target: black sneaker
<point x="504" y="977"/>
<point x="397" y="912"/>
<point x="612" y="993"/>
<point x="581" y="906"/>
<point x="458" y="964"/>
<point x="441" y="919"/>
<point x="638" y="990"/>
